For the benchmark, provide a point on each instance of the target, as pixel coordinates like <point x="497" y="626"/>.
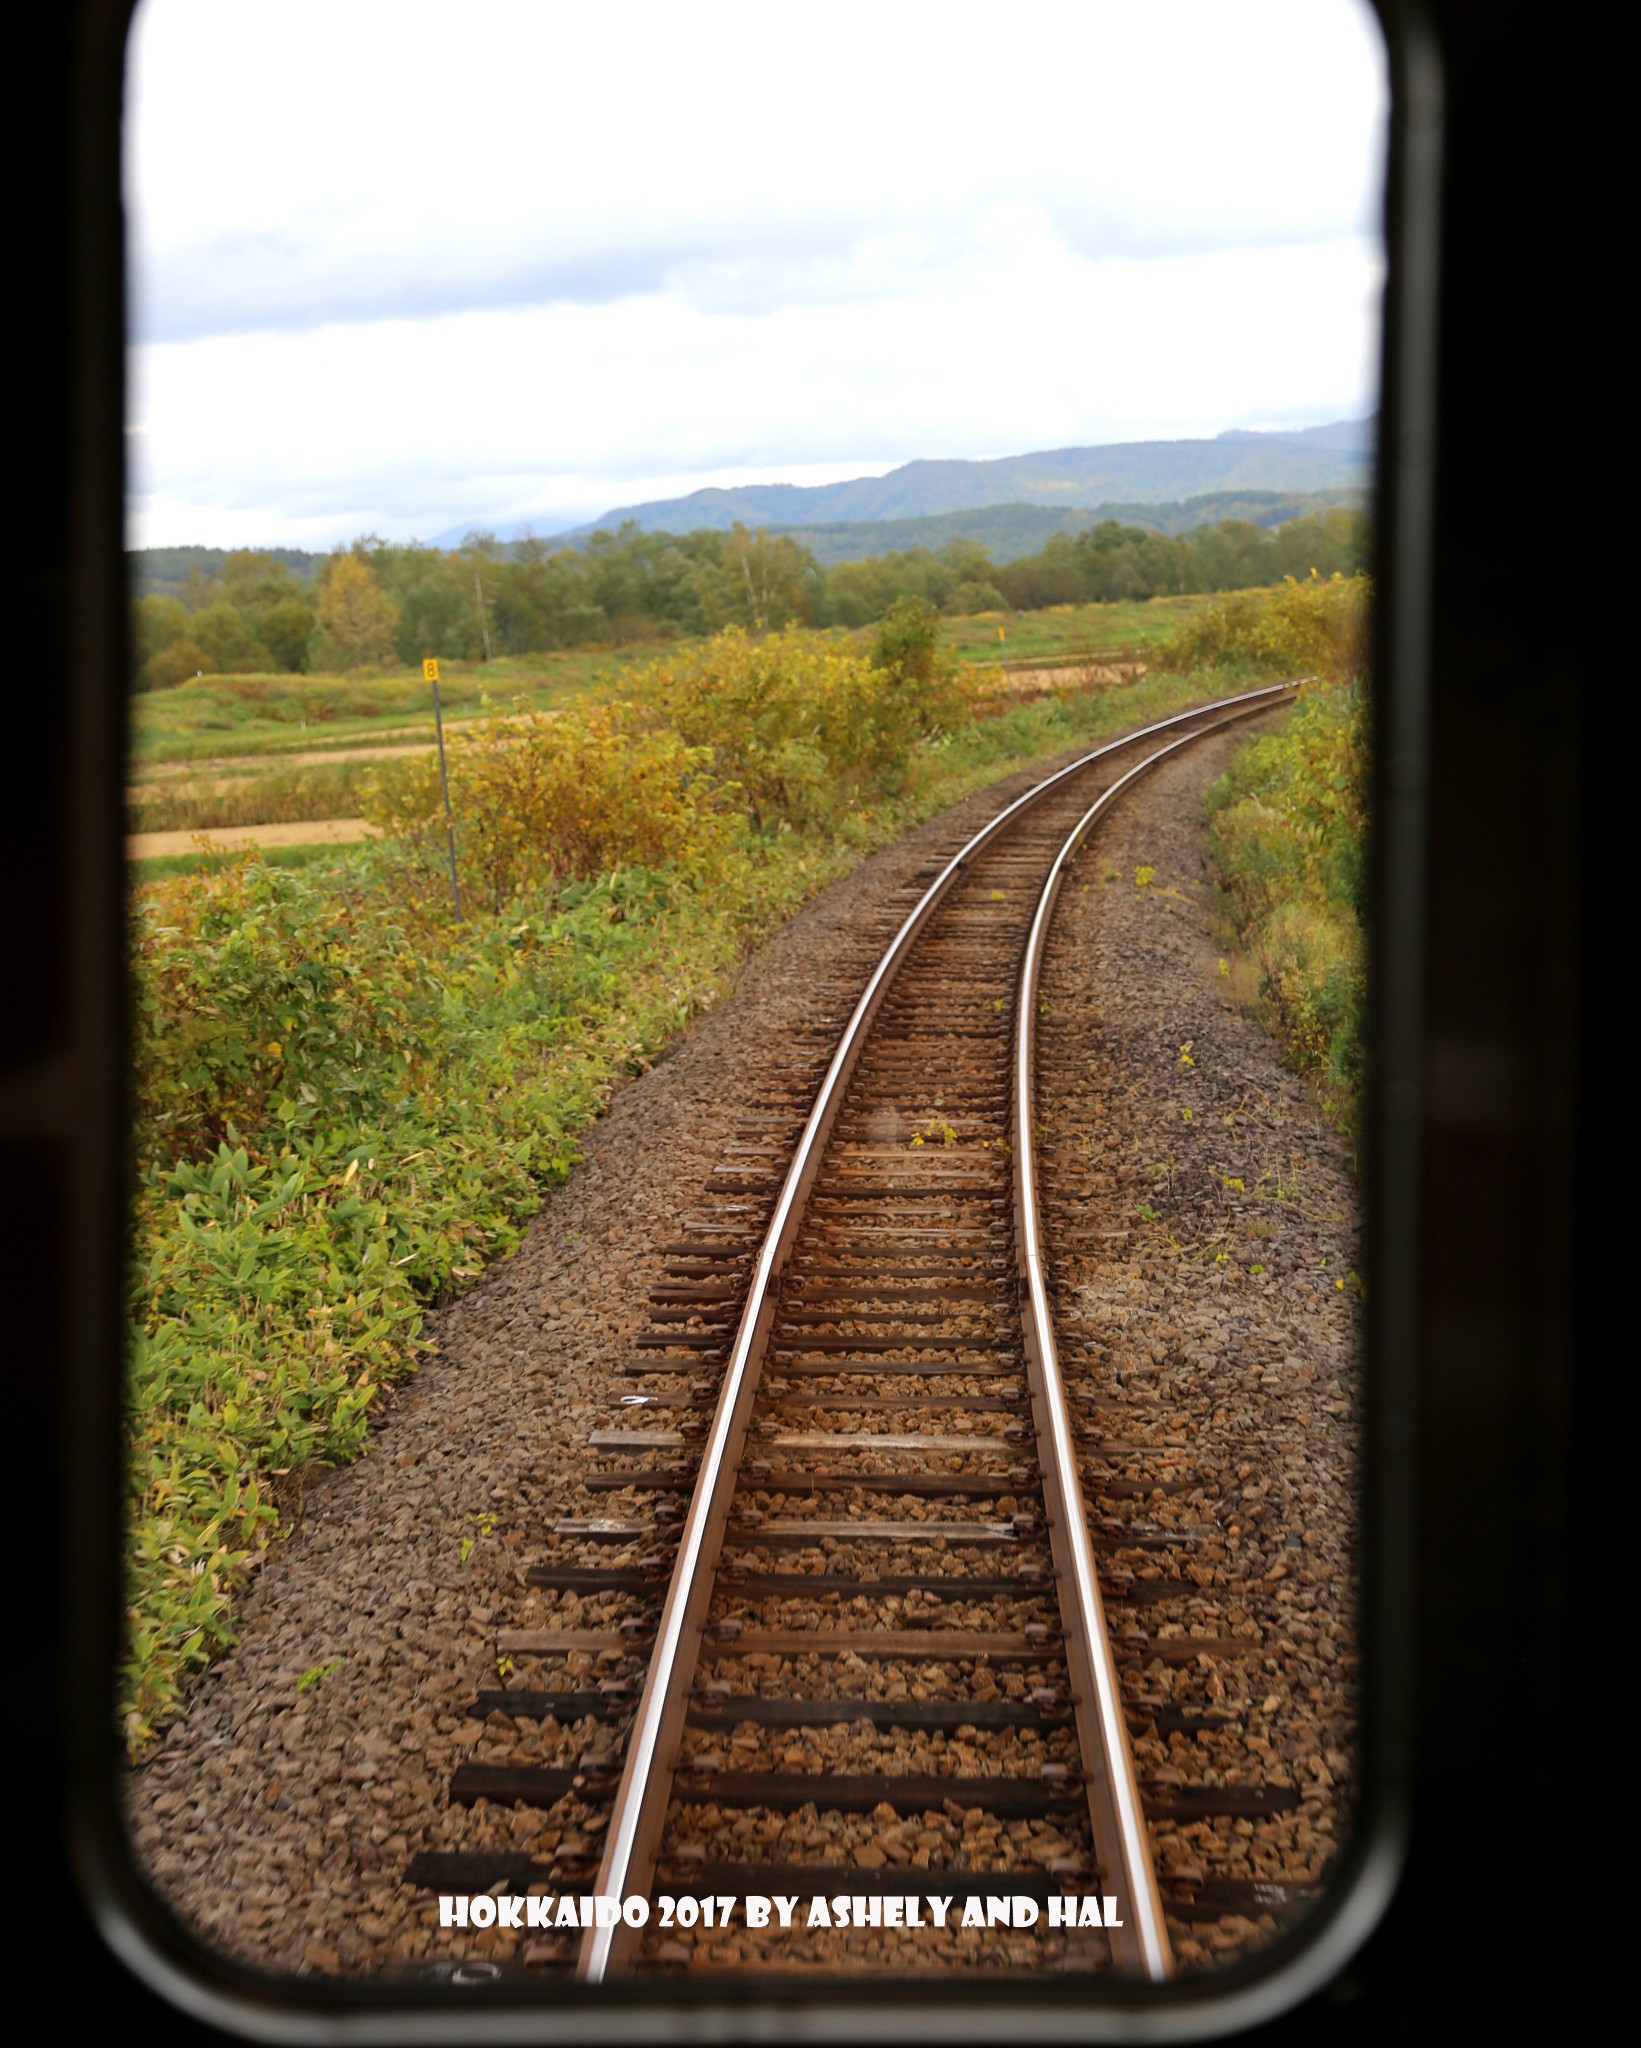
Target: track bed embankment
<point x="1200" y="1218"/>
<point x="321" y="1758"/>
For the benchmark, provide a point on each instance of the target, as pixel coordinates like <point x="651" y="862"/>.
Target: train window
<point x="750" y="729"/>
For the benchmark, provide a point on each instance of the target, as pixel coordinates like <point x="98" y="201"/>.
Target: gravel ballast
<point x="1200" y="1216"/>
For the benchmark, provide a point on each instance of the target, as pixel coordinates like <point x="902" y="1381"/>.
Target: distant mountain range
<point x="1129" y="474"/>
<point x="1004" y="531"/>
<point x="1008" y="531"/>
<point x="1011" y="505"/>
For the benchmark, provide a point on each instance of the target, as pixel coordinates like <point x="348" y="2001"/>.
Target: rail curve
<point x="644" y="1794"/>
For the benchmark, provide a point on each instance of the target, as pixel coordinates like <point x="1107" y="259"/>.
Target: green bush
<point x="1289" y="831"/>
<point x="803" y="724"/>
<point x="1314" y="628"/>
<point x="174" y="663"/>
<point x="336" y="1125"/>
<point x="541" y="798"/>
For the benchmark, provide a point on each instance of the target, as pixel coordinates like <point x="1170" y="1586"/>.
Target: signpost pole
<point x="430" y="669"/>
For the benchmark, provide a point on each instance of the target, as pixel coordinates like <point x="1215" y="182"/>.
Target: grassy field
<point x="283" y="796"/>
<point x="228" y="717"/>
<point x="227" y="752"/>
<point x="1073" y="633"/>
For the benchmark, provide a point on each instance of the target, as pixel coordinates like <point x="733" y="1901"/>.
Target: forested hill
<point x="380" y="602"/>
<point x="1126" y="472"/>
<point x="1008" y="531"/>
<point x="170" y="572"/>
<point x="1005" y="532"/>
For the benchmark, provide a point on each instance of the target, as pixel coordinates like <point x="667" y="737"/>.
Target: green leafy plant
<point x="1288" y="828"/>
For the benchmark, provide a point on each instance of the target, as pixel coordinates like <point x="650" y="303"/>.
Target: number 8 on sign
<point x="430" y="670"/>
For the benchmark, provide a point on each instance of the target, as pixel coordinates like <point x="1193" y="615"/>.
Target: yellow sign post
<point x="430" y="669"/>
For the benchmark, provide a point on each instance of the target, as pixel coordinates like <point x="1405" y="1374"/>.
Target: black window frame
<point x="1478" y="1122"/>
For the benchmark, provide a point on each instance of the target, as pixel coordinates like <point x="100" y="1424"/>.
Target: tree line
<point x="384" y="604"/>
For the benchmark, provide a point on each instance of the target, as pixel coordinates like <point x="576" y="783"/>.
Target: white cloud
<point x="400" y="267"/>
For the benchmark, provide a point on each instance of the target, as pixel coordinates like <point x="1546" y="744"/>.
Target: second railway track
<point x="843" y="1581"/>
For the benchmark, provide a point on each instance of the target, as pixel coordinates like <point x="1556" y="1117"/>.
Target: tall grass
<point x="1075" y="632"/>
<point x="212" y="859"/>
<point x="1289" y="831"/>
<point x="329" y="789"/>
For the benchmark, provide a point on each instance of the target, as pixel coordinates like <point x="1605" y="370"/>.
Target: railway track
<point x="845" y="1600"/>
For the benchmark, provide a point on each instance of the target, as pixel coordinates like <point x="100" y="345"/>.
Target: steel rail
<point x="1140" y="1942"/>
<point x="633" y="1834"/>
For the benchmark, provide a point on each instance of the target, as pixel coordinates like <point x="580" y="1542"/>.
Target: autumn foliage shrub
<point x="543" y="798"/>
<point x="1317" y="627"/>
<point x="265" y="1001"/>
<point x="800" y="723"/>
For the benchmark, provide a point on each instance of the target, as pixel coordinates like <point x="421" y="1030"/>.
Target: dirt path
<point x="309" y="832"/>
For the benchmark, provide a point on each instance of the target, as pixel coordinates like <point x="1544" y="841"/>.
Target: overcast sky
<point x="401" y="267"/>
